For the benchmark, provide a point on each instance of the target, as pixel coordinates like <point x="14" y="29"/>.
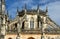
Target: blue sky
<point x="53" y="7"/>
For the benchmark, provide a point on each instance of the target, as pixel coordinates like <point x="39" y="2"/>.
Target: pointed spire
<point x="38" y="8"/>
<point x="17" y="11"/>
<point x="46" y="9"/>
<point x="7" y="13"/>
<point x="25" y="8"/>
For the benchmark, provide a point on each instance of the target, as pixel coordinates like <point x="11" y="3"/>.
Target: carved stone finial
<point x="46" y="9"/>
<point x="25" y="8"/>
<point x="17" y="11"/>
<point x="38" y="8"/>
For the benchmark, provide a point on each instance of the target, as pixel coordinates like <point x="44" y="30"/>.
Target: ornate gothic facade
<point x="28" y="24"/>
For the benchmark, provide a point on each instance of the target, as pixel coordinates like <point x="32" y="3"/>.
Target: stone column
<point x="18" y="28"/>
<point x="44" y="25"/>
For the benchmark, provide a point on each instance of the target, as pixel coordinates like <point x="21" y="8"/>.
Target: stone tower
<point x="2" y="19"/>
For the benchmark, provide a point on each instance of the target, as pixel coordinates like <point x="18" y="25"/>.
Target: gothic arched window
<point x="32" y="23"/>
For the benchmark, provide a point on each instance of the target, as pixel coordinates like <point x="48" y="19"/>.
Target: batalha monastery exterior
<point x="28" y="24"/>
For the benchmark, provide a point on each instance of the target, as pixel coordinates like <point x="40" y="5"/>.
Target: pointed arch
<point x="31" y="38"/>
<point x="10" y="38"/>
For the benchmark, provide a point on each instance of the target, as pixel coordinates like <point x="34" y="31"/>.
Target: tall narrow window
<point x="32" y="23"/>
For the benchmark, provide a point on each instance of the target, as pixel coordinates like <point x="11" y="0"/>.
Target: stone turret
<point x="3" y="6"/>
<point x="3" y="19"/>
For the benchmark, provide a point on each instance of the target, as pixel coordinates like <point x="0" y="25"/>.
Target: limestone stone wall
<point x="24" y="36"/>
<point x="52" y="36"/>
<point x="35" y="36"/>
<point x="13" y="36"/>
